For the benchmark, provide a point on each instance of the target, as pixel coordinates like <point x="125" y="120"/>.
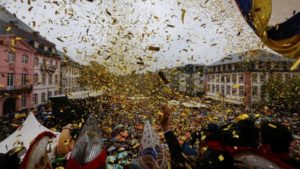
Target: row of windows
<point x="11" y="57"/>
<point x="43" y="47"/>
<point x="228" y="78"/>
<point x="72" y="70"/>
<point x="233" y="90"/>
<point x="256" y="66"/>
<point x="11" y="79"/>
<point x="25" y="80"/>
<point x="44" y="79"/>
<point x="44" y="62"/>
<point x="224" y="67"/>
<point x="43" y="97"/>
<point x="239" y="78"/>
<point x="262" y="77"/>
<point x="70" y="81"/>
<point x="227" y="90"/>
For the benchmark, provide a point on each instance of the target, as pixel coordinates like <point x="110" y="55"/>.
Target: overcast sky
<point x="118" y="32"/>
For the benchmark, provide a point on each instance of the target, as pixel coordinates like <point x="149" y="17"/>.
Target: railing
<point x="16" y="88"/>
<point x="48" y="68"/>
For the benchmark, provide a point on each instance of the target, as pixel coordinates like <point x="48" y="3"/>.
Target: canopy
<point x="192" y="104"/>
<point x="25" y="134"/>
<point x="84" y="94"/>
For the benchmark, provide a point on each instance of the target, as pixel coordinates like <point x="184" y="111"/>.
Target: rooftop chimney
<point x="36" y="33"/>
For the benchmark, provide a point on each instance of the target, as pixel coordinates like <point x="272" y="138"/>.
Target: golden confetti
<point x="153" y="48"/>
<point x="183" y="12"/>
<point x="220" y="157"/>
<point x="272" y="125"/>
<point x="295" y="65"/>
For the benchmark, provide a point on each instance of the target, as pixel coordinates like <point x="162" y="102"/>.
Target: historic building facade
<point x="70" y="72"/>
<point x="238" y="78"/>
<point x="188" y="79"/>
<point x="33" y="53"/>
<point x="47" y="68"/>
<point x="16" y="69"/>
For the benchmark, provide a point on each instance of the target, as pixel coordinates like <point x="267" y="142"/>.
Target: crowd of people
<point x="199" y="140"/>
<point x="176" y="138"/>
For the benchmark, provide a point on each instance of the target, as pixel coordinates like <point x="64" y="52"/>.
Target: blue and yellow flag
<point x="283" y="38"/>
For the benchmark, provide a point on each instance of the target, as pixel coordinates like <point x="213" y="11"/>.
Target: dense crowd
<point x="176" y="138"/>
<point x="201" y="139"/>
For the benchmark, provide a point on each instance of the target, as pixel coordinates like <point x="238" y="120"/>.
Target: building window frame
<point x="44" y="78"/>
<point x="36" y="61"/>
<point x="254" y="91"/>
<point x="24" y="78"/>
<point x="36" y="78"/>
<point x="241" y="78"/>
<point x="25" y="59"/>
<point x="50" y="79"/>
<point x="234" y="78"/>
<point x="241" y="91"/>
<point x="10" y="79"/>
<point x="23" y="101"/>
<point x="35" y="98"/>
<point x="11" y="57"/>
<point x="43" y="97"/>
<point x="254" y="78"/>
<point x="56" y="79"/>
<point x="228" y="89"/>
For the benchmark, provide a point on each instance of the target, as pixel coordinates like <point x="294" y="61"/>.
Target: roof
<point x="251" y="55"/>
<point x="7" y="43"/>
<point x="6" y="16"/>
<point x="64" y="56"/>
<point x="20" y="28"/>
<point x="191" y="68"/>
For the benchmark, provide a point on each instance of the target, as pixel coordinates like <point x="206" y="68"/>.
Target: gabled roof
<point x="23" y="42"/>
<point x="251" y="55"/>
<point x="7" y="17"/>
<point x="20" y="28"/>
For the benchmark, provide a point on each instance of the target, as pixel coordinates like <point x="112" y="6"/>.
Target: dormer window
<point x="36" y="44"/>
<point x="226" y="67"/>
<point x="53" y="50"/>
<point x="273" y="65"/>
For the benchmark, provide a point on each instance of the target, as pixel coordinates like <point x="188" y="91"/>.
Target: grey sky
<point x="121" y="30"/>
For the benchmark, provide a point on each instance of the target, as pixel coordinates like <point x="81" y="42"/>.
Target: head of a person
<point x="277" y="136"/>
<point x="213" y="132"/>
<point x="248" y="132"/>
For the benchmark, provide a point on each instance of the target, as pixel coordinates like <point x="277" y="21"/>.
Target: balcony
<point x="16" y="89"/>
<point x="48" y="68"/>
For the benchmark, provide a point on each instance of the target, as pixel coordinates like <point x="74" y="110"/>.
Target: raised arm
<point x="177" y="159"/>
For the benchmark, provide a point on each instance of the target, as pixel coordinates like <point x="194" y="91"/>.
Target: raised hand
<point x="165" y="118"/>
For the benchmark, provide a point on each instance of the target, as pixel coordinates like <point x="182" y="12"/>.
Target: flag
<point x="283" y="38"/>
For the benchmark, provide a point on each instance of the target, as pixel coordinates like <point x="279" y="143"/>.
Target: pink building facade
<point x="16" y="69"/>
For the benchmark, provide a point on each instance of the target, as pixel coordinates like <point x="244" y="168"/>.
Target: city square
<point x="149" y="84"/>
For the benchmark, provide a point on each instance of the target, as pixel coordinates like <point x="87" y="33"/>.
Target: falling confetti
<point x="183" y="12"/>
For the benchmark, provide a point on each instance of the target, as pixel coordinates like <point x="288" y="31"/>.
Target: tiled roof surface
<point x="251" y="55"/>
